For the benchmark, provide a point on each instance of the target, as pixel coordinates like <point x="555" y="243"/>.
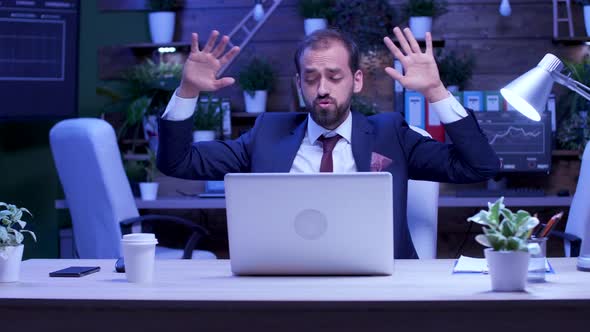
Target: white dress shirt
<point x="309" y="155"/>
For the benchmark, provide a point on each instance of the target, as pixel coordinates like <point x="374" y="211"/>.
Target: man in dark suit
<point x="331" y="137"/>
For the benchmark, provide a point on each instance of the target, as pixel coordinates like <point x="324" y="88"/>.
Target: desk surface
<point x="444" y="201"/>
<point x="421" y="295"/>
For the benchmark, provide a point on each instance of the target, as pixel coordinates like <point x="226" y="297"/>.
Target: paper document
<point x="479" y="265"/>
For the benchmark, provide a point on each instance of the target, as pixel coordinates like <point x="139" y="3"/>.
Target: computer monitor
<point x="523" y="145"/>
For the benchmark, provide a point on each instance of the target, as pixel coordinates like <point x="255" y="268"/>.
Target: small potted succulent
<point x="455" y="71"/>
<point x="149" y="188"/>
<point x="421" y="13"/>
<point x="12" y="229"/>
<point x="506" y="234"/>
<point x="162" y="17"/>
<point x="315" y="13"/>
<point x="256" y="79"/>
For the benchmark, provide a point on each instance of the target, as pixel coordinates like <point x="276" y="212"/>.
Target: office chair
<point x="579" y="215"/>
<point x="98" y="193"/>
<point x="422" y="212"/>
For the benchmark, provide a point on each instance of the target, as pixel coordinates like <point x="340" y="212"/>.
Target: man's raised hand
<point x="201" y="66"/>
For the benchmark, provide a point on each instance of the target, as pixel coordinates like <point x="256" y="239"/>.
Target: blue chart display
<point x="522" y="145"/>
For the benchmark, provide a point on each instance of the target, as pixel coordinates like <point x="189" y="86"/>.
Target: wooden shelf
<point x="571" y="40"/>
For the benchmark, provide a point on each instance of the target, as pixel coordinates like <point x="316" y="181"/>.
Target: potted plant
<point x="505" y="235"/>
<point x="149" y="188"/>
<point x="161" y="19"/>
<point x="256" y="79"/>
<point x="455" y="71"/>
<point x="207" y="119"/>
<point x="141" y="95"/>
<point x="12" y="229"/>
<point x="586" y="5"/>
<point x="315" y="14"/>
<point x="421" y="13"/>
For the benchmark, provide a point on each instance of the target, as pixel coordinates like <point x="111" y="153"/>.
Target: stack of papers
<point x="479" y="265"/>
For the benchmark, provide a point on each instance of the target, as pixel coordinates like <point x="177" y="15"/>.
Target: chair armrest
<point x="198" y="232"/>
<point x="575" y="241"/>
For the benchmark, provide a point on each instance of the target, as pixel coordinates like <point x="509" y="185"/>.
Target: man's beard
<point x="329" y="118"/>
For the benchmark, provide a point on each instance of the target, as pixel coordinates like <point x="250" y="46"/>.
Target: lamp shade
<point x="529" y="92"/>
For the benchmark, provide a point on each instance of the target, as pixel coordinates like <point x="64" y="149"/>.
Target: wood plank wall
<point x="504" y="46"/>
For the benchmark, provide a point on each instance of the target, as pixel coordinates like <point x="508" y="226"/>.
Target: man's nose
<point x="323" y="89"/>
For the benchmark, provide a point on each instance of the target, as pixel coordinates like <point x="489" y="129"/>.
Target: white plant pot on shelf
<point x="203" y="135"/>
<point x="587" y="19"/>
<point x="312" y="24"/>
<point x="162" y="26"/>
<point x="148" y="190"/>
<point x="508" y="269"/>
<point x="10" y="258"/>
<point x="420" y="25"/>
<point x="256" y="103"/>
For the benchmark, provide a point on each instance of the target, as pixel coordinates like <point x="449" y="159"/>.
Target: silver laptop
<point x="310" y="224"/>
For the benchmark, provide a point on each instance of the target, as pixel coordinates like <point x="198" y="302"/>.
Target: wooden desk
<point x="443" y="202"/>
<point x="204" y="296"/>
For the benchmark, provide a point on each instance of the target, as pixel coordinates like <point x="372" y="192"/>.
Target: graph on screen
<point x="516" y="139"/>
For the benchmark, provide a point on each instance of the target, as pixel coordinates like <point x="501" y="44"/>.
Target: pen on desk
<point x="550" y="224"/>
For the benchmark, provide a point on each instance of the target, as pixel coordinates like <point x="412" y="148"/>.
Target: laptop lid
<point x="310" y="224"/>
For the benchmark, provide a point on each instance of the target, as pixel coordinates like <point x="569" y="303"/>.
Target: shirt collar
<point x="314" y="130"/>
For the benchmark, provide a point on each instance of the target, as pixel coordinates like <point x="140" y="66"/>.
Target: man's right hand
<point x="201" y="67"/>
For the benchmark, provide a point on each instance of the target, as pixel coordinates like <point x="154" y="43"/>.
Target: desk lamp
<point x="528" y="94"/>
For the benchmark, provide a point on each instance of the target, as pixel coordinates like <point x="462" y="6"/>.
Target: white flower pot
<point x="148" y="190"/>
<point x="256" y="103"/>
<point x="420" y="25"/>
<point x="162" y="26"/>
<point x="312" y="24"/>
<point x="587" y="19"/>
<point x="203" y="135"/>
<point x="10" y="258"/>
<point x="508" y="269"/>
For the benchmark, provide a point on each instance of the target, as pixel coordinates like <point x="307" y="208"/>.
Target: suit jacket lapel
<point x="287" y="148"/>
<point x="362" y="141"/>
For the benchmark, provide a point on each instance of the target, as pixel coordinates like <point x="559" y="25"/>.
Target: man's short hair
<point x="322" y="39"/>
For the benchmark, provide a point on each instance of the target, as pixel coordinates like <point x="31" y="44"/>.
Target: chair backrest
<point x="579" y="216"/>
<point x="422" y="212"/>
<point x="97" y="191"/>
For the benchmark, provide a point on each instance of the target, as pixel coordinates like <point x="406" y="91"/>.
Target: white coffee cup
<point x="139" y="253"/>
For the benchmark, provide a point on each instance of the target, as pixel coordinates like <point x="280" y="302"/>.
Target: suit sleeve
<point x="470" y="158"/>
<point x="179" y="157"/>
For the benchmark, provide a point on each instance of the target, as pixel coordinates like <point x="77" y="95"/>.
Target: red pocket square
<point x="379" y="162"/>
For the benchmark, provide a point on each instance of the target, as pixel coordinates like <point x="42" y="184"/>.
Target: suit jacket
<point x="273" y="142"/>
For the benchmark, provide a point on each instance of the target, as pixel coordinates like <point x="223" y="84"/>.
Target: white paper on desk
<point x="467" y="264"/>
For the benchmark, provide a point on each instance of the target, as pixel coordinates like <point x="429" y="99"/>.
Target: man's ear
<point x="357" y="81"/>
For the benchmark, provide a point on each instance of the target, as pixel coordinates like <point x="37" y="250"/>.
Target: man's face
<point x="328" y="84"/>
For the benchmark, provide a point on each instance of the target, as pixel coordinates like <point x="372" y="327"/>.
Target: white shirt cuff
<point x="449" y="109"/>
<point x="179" y="109"/>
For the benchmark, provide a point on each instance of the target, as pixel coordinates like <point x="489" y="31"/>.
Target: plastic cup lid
<point x="140" y="238"/>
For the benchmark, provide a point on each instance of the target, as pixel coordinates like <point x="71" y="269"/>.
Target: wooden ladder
<point x="557" y="19"/>
<point x="247" y="28"/>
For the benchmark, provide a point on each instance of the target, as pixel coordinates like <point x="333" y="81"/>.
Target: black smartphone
<point x="75" y="271"/>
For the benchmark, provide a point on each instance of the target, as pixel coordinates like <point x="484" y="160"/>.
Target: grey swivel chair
<point x="422" y="213"/>
<point x="98" y="193"/>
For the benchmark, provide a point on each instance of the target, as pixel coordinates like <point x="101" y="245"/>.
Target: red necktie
<point x="328" y="144"/>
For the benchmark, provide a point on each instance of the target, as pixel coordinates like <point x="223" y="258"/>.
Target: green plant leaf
<point x="497" y="241"/>
<point x="520" y="218"/>
<point x="514" y="243"/>
<point x="27" y="211"/>
<point x="18" y="236"/>
<point x="507" y="228"/>
<point x="483" y="240"/>
<point x="22" y="224"/>
<point x="506" y="213"/>
<point x="3" y="234"/>
<point x="32" y="234"/>
<point x="482" y="218"/>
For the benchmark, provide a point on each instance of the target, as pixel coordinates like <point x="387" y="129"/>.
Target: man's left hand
<point x="420" y="67"/>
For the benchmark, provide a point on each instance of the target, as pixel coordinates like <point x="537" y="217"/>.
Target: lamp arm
<point x="571" y="84"/>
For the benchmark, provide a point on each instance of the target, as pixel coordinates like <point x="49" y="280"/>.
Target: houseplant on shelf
<point x="12" y="229"/>
<point x="505" y="235"/>
<point x="207" y="119"/>
<point x="256" y="79"/>
<point x="455" y="71"/>
<point x="149" y="188"/>
<point x="316" y="14"/>
<point x="161" y="18"/>
<point x="421" y="13"/>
